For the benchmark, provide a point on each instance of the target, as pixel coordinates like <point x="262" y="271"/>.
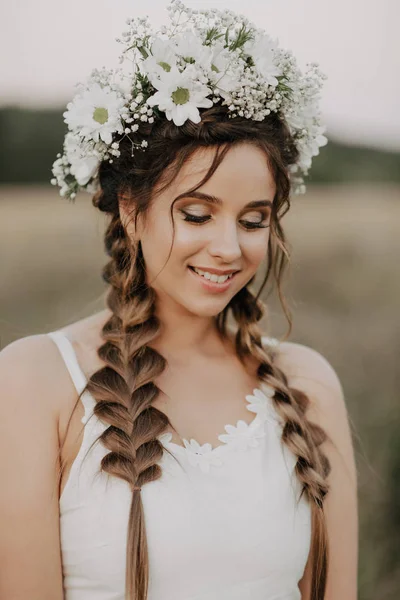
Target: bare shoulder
<point x="34" y="362"/>
<point x="311" y="372"/>
<point x="30" y="363"/>
<point x="33" y="374"/>
<point x="30" y="390"/>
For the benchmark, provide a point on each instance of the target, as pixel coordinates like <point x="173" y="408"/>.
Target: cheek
<point x="156" y="245"/>
<point x="161" y="245"/>
<point x="187" y="241"/>
<point x="255" y="248"/>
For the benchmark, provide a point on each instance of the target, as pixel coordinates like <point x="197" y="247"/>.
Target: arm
<point x="310" y="372"/>
<point x="30" y="562"/>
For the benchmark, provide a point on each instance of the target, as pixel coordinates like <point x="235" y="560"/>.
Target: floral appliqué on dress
<point x="238" y="437"/>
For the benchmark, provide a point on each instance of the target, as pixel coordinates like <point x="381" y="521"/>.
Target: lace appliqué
<point x="239" y="437"/>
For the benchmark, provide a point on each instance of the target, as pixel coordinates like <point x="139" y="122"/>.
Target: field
<point x="343" y="289"/>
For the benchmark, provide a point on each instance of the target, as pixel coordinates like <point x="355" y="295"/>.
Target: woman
<point x="171" y="489"/>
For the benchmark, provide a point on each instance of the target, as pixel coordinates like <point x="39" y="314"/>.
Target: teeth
<point x="212" y="276"/>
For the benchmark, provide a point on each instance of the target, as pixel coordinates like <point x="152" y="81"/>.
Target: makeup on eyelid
<point x="250" y="225"/>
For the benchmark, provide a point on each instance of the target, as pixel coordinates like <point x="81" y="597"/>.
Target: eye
<point x="203" y="219"/>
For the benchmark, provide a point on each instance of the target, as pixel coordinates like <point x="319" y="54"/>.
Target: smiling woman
<point x="170" y="491"/>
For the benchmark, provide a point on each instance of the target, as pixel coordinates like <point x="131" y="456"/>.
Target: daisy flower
<point x="96" y="113"/>
<point x="190" y="47"/>
<point x="180" y="96"/>
<point x="83" y="164"/>
<point x="260" y="402"/>
<point x="243" y="435"/>
<point x="162" y="59"/>
<point x="220" y="75"/>
<point x="262" y="50"/>
<point x="201" y="455"/>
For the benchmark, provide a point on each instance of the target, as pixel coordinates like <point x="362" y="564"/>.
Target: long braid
<point x="302" y="437"/>
<point x="124" y="390"/>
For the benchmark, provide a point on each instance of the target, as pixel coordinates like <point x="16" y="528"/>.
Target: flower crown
<point x="204" y="57"/>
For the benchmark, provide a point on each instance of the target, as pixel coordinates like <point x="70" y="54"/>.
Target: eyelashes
<point x="199" y="220"/>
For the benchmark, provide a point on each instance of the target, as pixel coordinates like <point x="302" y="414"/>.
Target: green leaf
<point x="227" y="36"/>
<point x="244" y="35"/>
<point x="143" y="51"/>
<point x="212" y="34"/>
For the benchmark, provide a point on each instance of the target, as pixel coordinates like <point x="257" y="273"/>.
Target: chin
<point x="206" y="309"/>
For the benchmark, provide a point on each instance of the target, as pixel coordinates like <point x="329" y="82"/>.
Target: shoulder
<point x="33" y="376"/>
<point x="301" y="362"/>
<point x="311" y="372"/>
<point x="31" y="355"/>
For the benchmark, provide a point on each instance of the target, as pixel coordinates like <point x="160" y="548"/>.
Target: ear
<point x="127" y="216"/>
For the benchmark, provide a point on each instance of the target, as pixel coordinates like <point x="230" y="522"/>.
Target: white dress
<point x="222" y="524"/>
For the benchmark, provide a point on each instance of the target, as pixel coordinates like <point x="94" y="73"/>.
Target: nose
<point x="225" y="243"/>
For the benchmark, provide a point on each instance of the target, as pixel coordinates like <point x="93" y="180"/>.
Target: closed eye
<point x="199" y="220"/>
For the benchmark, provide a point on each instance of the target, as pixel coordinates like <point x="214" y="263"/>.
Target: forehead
<point x="243" y="174"/>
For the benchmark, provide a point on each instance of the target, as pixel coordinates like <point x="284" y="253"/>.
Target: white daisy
<point x="220" y="74"/>
<point x="84" y="169"/>
<point x="190" y="47"/>
<point x="201" y="455"/>
<point x="262" y="50"/>
<point x="243" y="435"/>
<point x="162" y="58"/>
<point x="83" y="164"/>
<point x="96" y="113"/>
<point x="260" y="402"/>
<point x="179" y="96"/>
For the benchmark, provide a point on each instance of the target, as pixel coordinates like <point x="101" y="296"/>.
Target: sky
<point x="50" y="45"/>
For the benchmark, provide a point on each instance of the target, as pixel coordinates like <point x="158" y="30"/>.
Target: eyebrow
<point x="214" y="200"/>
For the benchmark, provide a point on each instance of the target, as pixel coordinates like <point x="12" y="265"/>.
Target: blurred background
<point x="343" y="286"/>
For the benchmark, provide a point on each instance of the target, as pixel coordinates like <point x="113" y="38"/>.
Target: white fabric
<point x="223" y="524"/>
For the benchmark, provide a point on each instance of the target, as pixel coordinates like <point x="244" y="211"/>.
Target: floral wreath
<point x="204" y="57"/>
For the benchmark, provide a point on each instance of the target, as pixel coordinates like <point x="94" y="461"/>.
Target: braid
<point x="302" y="437"/>
<point x="124" y="391"/>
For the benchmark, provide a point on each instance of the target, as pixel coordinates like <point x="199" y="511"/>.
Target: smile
<point x="213" y="286"/>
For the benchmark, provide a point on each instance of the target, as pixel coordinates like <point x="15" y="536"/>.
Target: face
<point x="222" y="235"/>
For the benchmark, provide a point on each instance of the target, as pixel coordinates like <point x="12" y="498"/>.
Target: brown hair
<point x="124" y="389"/>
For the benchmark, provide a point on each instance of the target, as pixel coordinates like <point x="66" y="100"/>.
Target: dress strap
<point x="68" y="354"/>
<point x="70" y="359"/>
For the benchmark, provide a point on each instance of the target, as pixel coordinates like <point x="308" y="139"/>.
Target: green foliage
<point x="244" y="35"/>
<point x="31" y="139"/>
<point x="341" y="163"/>
<point x="29" y="143"/>
<point x="212" y="34"/>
